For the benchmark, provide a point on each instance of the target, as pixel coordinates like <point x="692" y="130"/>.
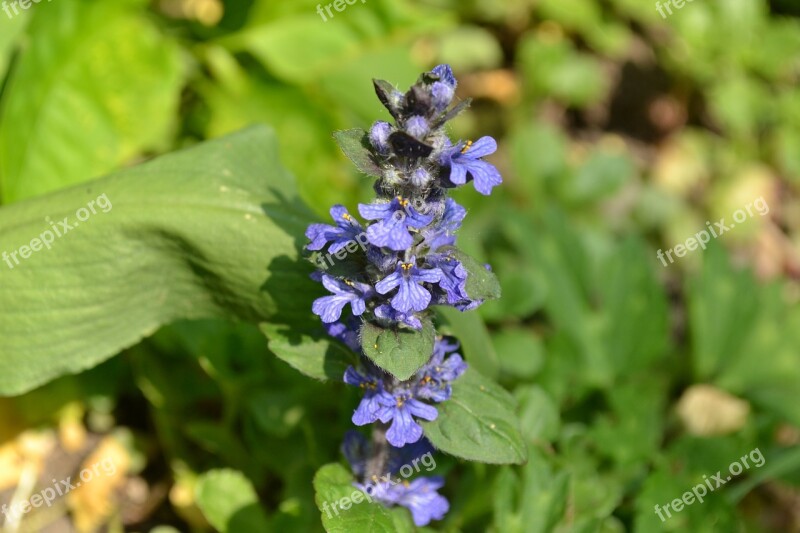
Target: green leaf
<point x="545" y="494"/>
<point x="635" y="321"/>
<point x="521" y="353"/>
<point x="312" y="352"/>
<point x="213" y="231"/>
<point x="296" y="49"/>
<point x="538" y="414"/>
<point x="355" y="145"/>
<point x="482" y="284"/>
<point x="401" y="352"/>
<point x="11" y="29"/>
<point x="723" y="305"/>
<point x="345" y="508"/>
<point x="478" y="423"/>
<point x="229" y="502"/>
<point x="70" y="111"/>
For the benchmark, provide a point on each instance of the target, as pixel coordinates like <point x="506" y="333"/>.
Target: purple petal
<point x="375" y="211"/>
<point x="389" y="282"/>
<point x="430" y="275"/>
<point x="391" y="233"/>
<point x="411" y="296"/>
<point x="481" y="148"/>
<point x="486" y="176"/>
<point x="404" y="430"/>
<point x="458" y="173"/>
<point x="329" y="308"/>
<point x="421" y="410"/>
<point x="367" y="411"/>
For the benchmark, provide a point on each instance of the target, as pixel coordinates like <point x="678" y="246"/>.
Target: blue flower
<point x="449" y="369"/>
<point x="346" y="332"/>
<point x="387" y="312"/>
<point x="411" y="295"/>
<point x="370" y="405"/>
<point x="443" y="232"/>
<point x="454" y="277"/>
<point x="395" y="218"/>
<point x="400" y="407"/>
<point x="329" y="308"/>
<point x="434" y="379"/>
<point x="418" y="496"/>
<point x="445" y="74"/>
<point x="464" y="159"/>
<point x="345" y="231"/>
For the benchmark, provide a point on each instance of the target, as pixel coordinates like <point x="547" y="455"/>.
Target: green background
<point x="621" y="133"/>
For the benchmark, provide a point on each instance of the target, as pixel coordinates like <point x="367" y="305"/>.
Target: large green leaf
<point x="311" y="351"/>
<point x="10" y="30"/>
<point x="478" y="423"/>
<point x="96" y="85"/>
<point x="213" y="231"/>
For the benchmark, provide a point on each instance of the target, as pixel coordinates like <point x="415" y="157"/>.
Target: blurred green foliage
<point x="621" y="133"/>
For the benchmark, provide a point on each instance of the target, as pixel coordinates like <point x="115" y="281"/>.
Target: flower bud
<point x="417" y="127"/>
<point x="420" y="177"/>
<point x="445" y="74"/>
<point x="379" y="136"/>
<point x="441" y="95"/>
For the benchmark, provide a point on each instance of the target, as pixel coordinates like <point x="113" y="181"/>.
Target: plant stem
<point x="379" y="457"/>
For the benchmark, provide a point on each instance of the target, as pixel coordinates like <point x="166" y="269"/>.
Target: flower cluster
<point x="408" y="263"/>
<point x="400" y="402"/>
<point x="418" y="495"/>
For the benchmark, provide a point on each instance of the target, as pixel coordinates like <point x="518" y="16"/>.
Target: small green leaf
<point x="482" y="284"/>
<point x="229" y="502"/>
<point x="355" y="145"/>
<point x="310" y="351"/>
<point x="478" y="423"/>
<point x="345" y="508"/>
<point x="399" y="352"/>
